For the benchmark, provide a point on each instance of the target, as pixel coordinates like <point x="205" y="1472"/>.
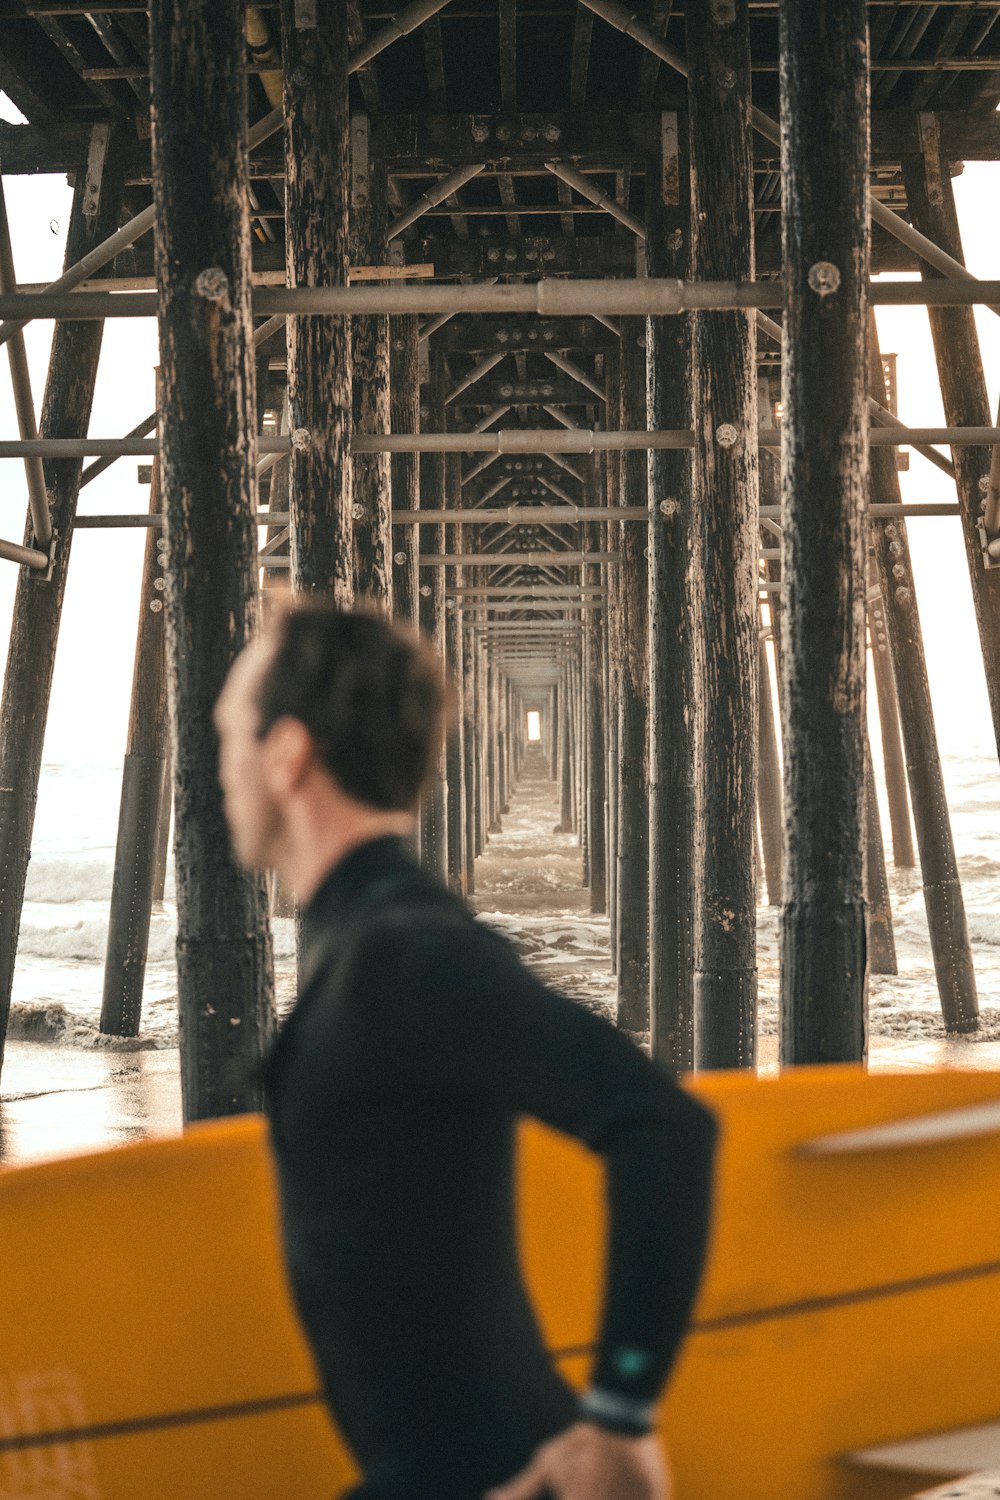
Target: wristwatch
<point x="617" y="1413"/>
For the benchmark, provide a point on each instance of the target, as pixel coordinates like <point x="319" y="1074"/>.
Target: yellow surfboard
<point x="847" y="1333"/>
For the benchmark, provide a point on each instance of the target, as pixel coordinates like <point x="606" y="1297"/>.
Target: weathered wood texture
<point x="317" y="193"/>
<point x="225" y="982"/>
<point x="725" y="479"/>
<point x="434" y="803"/>
<point x="27" y="687"/>
<point x="769" y="780"/>
<point x="470" y="776"/>
<point x="671" y="661"/>
<point x="892" y="746"/>
<point x="963" y="389"/>
<point x="881" y="941"/>
<point x="594" y="647"/>
<point x="942" y="889"/>
<point x="404" y="409"/>
<point x="137" y="851"/>
<point x="163" y="826"/>
<point x="633" y="690"/>
<point x="371" y="501"/>
<point x="824" y="108"/>
<point x="455" y="748"/>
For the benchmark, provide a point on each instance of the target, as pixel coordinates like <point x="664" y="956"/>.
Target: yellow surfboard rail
<point x="149" y="1349"/>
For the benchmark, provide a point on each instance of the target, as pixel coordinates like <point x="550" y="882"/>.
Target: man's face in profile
<point x="252" y="813"/>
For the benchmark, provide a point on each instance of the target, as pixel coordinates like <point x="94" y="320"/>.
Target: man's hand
<point x="587" y="1462"/>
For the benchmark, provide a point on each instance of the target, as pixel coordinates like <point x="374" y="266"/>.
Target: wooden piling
<point x="225" y="982"/>
<point x="826" y="235"/>
<point x="881" y="940"/>
<point x="27" y="687"/>
<point x="892" y="746"/>
<point x="769" y="780"/>
<point x="671" y="660"/>
<point x="942" y="888"/>
<point x="963" y="386"/>
<point x="470" y="778"/>
<point x="371" y="498"/>
<point x="317" y="247"/>
<point x="163" y="826"/>
<point x="725" y="479"/>
<point x="594" y="644"/>
<point x="434" y="802"/>
<point x="633" y="689"/>
<point x="137" y="847"/>
<point x="455" y="748"/>
<point x="404" y="410"/>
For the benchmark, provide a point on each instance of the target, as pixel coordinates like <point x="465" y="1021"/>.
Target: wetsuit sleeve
<point x="468" y="1020"/>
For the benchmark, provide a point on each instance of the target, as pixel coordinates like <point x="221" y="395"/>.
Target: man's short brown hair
<point x="370" y="694"/>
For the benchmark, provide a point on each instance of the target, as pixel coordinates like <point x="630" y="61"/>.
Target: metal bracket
<point x="36" y="575"/>
<point x="670" y="158"/>
<point x="990" y="545"/>
<point x="360" y="168"/>
<point x="97" y="155"/>
<point x="305" y="15"/>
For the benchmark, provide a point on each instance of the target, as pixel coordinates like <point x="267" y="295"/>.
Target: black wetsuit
<point x="393" y="1089"/>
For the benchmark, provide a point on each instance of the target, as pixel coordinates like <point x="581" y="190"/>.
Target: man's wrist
<point x="625" y="1415"/>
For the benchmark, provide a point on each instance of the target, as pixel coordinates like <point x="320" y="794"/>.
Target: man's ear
<point x="288" y="755"/>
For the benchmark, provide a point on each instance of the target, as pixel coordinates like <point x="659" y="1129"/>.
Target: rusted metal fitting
<point x="302" y="439"/>
<point x="212" y="284"/>
<point x="824" y="278"/>
<point x="726" y="435"/>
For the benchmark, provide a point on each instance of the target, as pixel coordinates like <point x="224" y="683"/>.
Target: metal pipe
<point x="408" y="19"/>
<point x="490" y="418"/>
<point x="508" y="440"/>
<point x="575" y="373"/>
<point x="528" y="591"/>
<point x="519" y="515"/>
<point x="28" y="557"/>
<point x="477" y="373"/>
<point x="543" y="559"/>
<point x="549" y="297"/>
<point x="109" y="248"/>
<point x="144" y="521"/>
<point x="441" y="190"/>
<point x="446" y="317"/>
<point x="38" y="500"/>
<point x="496" y="488"/>
<point x="478" y="468"/>
<point x="588" y="190"/>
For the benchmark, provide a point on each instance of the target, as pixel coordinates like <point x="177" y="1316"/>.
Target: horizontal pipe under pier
<point x="509" y="440"/>
<point x="496" y="559"/>
<point x="28" y="557"/>
<point x="643" y="297"/>
<point x="520" y="515"/>
<point x="505" y="515"/>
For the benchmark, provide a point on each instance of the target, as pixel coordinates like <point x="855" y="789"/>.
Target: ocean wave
<point x="62" y="881"/>
<point x="984" y="927"/>
<point x="87" y="941"/>
<point x="48" y="1021"/>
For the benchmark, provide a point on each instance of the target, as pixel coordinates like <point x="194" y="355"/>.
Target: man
<point x="394" y="1088"/>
